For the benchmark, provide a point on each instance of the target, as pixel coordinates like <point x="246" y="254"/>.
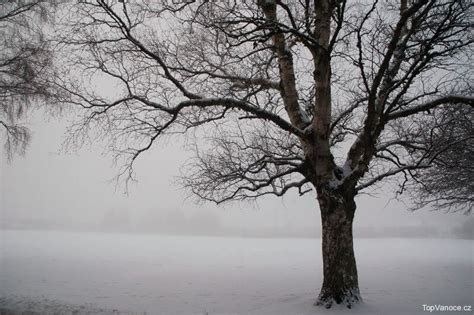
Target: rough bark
<point x="340" y="283"/>
<point x="320" y="154"/>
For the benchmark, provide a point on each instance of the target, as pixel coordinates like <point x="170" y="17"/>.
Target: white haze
<point x="50" y="189"/>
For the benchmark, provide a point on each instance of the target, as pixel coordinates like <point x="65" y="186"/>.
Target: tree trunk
<point x="340" y="283"/>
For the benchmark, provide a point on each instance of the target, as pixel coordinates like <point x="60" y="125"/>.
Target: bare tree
<point x="23" y="59"/>
<point x="307" y="95"/>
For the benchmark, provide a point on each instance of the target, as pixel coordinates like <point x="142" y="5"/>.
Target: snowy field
<point x="92" y="273"/>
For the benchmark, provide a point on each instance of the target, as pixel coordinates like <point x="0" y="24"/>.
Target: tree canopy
<point x="24" y="60"/>
<point x="296" y="92"/>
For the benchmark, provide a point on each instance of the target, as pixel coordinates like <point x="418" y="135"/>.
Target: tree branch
<point x="450" y="99"/>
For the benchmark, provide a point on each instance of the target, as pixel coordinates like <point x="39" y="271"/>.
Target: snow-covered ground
<point x="93" y="273"/>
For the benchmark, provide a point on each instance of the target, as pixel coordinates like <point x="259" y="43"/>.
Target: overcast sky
<point x="47" y="185"/>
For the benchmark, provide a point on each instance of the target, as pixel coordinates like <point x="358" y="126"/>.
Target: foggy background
<point x="50" y="189"/>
